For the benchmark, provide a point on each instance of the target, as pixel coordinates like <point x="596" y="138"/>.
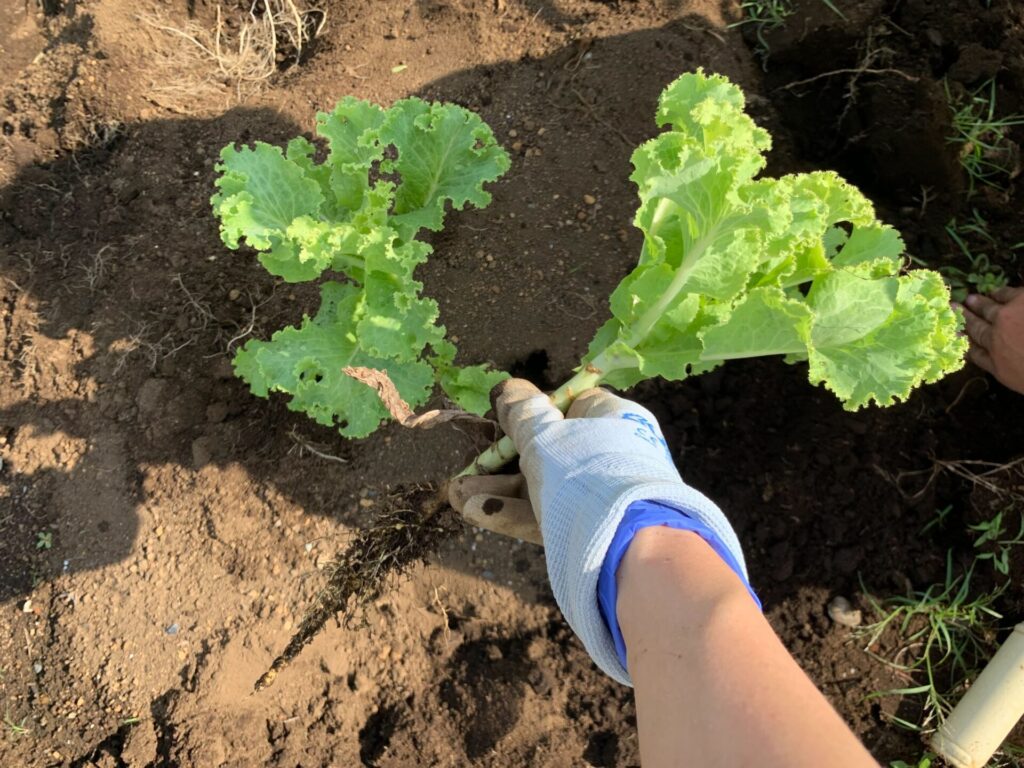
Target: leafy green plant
<point x="986" y="152"/>
<point x="734" y="266"/>
<point x="44" y="540"/>
<point x="945" y="633"/>
<point x="388" y="175"/>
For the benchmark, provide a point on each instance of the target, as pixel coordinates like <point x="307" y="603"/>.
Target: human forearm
<point x="714" y="685"/>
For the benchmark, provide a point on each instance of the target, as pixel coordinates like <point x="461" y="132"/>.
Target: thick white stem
<point x="503" y="451"/>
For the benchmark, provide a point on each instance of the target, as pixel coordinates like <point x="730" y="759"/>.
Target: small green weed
<point x="16" y="729"/>
<point x="995" y="534"/>
<point x="982" y="276"/>
<point x="939" y="521"/>
<point x="986" y="152"/>
<point x="44" y="540"/>
<point x="769" y="15"/>
<point x="944" y="632"/>
<point x="765" y="16"/>
<point x="926" y="761"/>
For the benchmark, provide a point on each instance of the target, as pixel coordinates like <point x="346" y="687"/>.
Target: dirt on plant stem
<point x="162" y="530"/>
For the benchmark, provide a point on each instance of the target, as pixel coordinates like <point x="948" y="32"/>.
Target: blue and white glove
<point x="594" y="478"/>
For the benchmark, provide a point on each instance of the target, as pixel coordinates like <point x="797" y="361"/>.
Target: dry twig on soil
<point x="978" y="473"/>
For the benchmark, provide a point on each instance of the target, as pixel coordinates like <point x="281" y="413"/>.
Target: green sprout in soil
<point x="987" y="154"/>
<point x="44" y="540"/>
<point x="981" y="276"/>
<point x="995" y="540"/>
<point x="765" y="16"/>
<point x="939" y="520"/>
<point x="944" y="636"/>
<point x="927" y="761"/>
<point x="16" y="729"/>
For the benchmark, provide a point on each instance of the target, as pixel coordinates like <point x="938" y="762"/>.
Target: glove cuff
<point x="581" y="524"/>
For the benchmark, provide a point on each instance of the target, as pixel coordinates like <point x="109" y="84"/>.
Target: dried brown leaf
<point x="397" y="407"/>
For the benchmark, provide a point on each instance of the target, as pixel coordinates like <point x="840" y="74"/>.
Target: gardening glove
<point x="591" y="479"/>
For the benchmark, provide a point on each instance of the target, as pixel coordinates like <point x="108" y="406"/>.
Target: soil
<point x="162" y="530"/>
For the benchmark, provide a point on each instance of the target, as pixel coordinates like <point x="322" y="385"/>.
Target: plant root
<point x="978" y="473"/>
<point x="270" y="37"/>
<point x="411" y="525"/>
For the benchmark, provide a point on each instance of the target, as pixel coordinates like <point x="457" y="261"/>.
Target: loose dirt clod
<point x="411" y="524"/>
<point x="842" y="612"/>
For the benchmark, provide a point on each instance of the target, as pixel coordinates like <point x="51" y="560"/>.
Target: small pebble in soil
<point x="172" y="629"/>
<point x="842" y="612"/>
<point x="589" y="199"/>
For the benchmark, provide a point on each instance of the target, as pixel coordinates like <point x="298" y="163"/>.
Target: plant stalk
<point x="503" y="451"/>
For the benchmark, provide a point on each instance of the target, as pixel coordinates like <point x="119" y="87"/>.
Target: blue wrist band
<point x="643" y="514"/>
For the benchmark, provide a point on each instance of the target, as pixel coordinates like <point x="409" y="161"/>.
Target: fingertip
<point x="522" y="409"/>
<point x="510" y="390"/>
<point x="456" y="494"/>
<point x="497" y="391"/>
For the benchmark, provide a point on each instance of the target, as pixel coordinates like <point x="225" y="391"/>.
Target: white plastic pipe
<point x="988" y="711"/>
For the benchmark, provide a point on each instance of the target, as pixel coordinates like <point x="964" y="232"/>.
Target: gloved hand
<point x="581" y="472"/>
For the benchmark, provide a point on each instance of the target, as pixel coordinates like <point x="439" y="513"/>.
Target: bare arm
<point x="714" y="684"/>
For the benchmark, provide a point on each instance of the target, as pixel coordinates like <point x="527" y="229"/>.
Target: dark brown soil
<point x="188" y="522"/>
